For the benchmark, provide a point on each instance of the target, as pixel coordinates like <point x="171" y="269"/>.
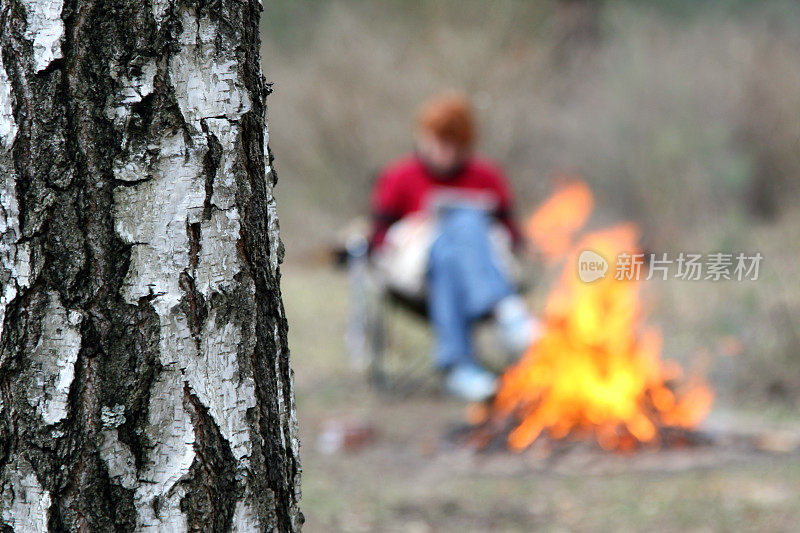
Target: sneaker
<point x="516" y="328"/>
<point x="470" y="382"/>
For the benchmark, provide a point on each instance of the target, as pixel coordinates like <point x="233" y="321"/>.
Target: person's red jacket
<point x="406" y="186"/>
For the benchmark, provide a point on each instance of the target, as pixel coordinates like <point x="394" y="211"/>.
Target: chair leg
<point x="377" y="350"/>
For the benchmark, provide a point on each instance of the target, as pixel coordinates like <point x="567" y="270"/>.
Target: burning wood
<point x="596" y="371"/>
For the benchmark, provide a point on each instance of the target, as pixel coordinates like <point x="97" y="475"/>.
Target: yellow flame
<point x="596" y="369"/>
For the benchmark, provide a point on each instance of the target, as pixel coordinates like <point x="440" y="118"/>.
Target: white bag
<point x="402" y="261"/>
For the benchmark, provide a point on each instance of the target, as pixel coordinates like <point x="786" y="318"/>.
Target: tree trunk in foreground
<point x="144" y="373"/>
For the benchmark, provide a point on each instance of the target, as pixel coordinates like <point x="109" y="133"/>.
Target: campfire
<point x="596" y="372"/>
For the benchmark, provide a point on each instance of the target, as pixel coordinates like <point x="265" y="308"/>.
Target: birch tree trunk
<point x="144" y="374"/>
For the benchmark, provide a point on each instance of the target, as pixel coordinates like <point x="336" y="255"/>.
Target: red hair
<point x="448" y="117"/>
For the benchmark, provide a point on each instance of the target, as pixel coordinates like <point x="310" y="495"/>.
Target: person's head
<point x="445" y="132"/>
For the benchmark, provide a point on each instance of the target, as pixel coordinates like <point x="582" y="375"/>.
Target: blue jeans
<point x="464" y="283"/>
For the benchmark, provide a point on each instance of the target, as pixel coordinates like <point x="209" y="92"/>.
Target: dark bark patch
<point x="211" y="165"/>
<point x="193" y="305"/>
<point x="129" y="370"/>
<point x="211" y="490"/>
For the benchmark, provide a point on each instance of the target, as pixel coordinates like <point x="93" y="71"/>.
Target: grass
<point x="406" y="480"/>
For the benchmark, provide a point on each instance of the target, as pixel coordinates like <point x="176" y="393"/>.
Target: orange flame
<point x="552" y="226"/>
<point x="596" y="369"/>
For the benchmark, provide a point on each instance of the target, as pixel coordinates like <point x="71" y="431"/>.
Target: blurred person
<point x="443" y="232"/>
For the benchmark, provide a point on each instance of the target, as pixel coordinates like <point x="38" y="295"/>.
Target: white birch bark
<point x="144" y="376"/>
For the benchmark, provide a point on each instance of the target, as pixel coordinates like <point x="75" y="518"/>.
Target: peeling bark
<point x="144" y="371"/>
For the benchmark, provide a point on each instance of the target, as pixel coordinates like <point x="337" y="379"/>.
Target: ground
<point x="407" y="478"/>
